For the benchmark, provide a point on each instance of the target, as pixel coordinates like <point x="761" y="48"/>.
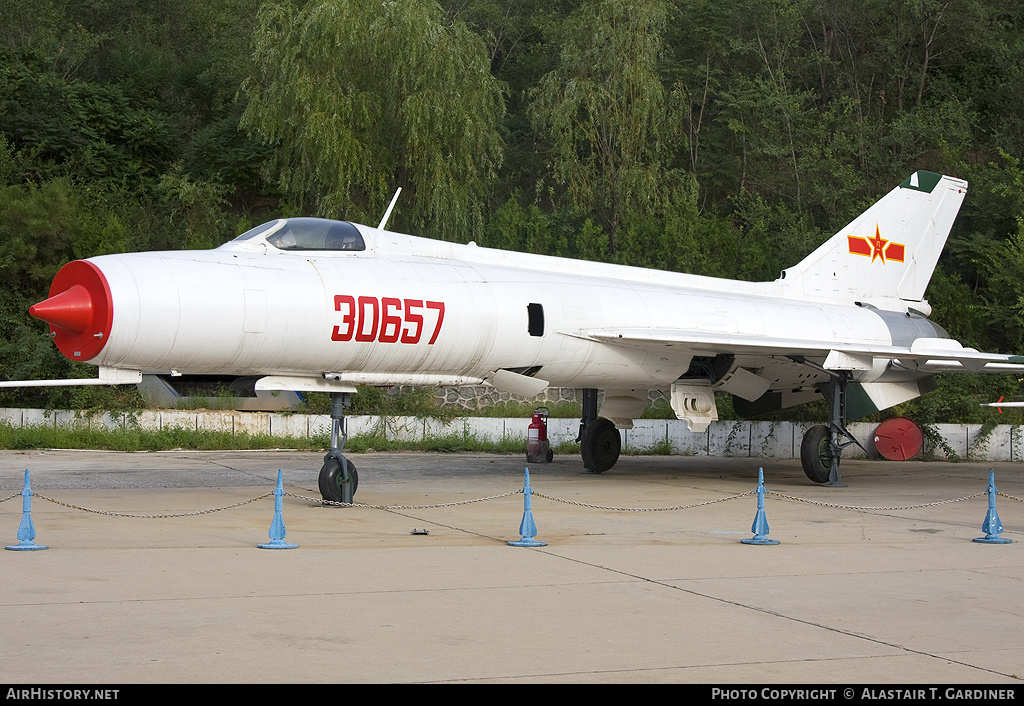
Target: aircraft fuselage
<point x="430" y="312"/>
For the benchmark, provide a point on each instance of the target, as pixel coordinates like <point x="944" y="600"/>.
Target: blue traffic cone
<point x="760" y="526"/>
<point x="528" y="528"/>
<point x="26" y="530"/>
<point x="992" y="525"/>
<point x="277" y="532"/>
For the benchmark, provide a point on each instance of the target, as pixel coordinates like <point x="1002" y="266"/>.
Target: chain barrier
<point x="612" y="508"/>
<point x="323" y="501"/>
<point x="111" y="513"/>
<point x="642" y="509"/>
<point x="867" y="507"/>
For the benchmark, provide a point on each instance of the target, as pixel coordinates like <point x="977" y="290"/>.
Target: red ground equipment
<point x="538" y="450"/>
<point x="898" y="439"/>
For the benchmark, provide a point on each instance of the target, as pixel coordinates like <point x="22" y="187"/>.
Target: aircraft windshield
<point x="316" y="234"/>
<point x="258" y="230"/>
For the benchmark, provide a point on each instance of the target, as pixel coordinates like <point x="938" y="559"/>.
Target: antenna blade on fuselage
<point x="387" y="214"/>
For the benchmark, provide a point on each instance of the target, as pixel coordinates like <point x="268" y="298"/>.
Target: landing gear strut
<point x="338" y="477"/>
<point x="823" y="445"/>
<point x="599" y="440"/>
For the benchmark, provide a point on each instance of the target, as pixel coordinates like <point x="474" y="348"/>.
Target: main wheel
<point x="600" y="445"/>
<point x="816" y="453"/>
<point x="332" y="478"/>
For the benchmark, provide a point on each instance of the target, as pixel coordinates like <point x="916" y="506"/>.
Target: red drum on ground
<point x="899" y="439"/>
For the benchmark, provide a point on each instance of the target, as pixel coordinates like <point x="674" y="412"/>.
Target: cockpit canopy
<point x="308" y="234"/>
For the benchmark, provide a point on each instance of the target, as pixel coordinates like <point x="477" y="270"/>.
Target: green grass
<point x="132" y="438"/>
<point x="78" y="436"/>
<point x="447" y="443"/>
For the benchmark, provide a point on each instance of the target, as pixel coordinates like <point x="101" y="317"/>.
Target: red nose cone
<point x="79" y="310"/>
<point x="70" y="310"/>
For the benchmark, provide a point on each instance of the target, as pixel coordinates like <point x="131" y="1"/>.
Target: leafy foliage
<point x="359" y="97"/>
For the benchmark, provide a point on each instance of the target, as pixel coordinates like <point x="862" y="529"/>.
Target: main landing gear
<point x="338" y="477"/>
<point x="823" y="445"/>
<point x="599" y="440"/>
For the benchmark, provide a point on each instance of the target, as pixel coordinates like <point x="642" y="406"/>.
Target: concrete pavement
<point x="848" y="597"/>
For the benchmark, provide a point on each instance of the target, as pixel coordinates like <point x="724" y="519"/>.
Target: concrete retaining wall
<point x="740" y="438"/>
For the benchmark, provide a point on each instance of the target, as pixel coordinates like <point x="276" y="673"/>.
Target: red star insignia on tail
<point x="878" y="244"/>
<point x="876" y="248"/>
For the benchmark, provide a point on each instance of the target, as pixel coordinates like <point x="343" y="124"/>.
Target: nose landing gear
<point x="338" y="476"/>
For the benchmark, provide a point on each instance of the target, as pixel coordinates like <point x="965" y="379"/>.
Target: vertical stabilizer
<point x="886" y="256"/>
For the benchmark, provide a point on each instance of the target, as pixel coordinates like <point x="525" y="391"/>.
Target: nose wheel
<point x="338" y="479"/>
<point x="338" y="476"/>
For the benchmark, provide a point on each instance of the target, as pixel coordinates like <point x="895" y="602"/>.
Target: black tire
<point x="331" y="479"/>
<point x="600" y="445"/>
<point x="815" y="453"/>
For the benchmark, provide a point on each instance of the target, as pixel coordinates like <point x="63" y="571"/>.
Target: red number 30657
<point x="385" y="320"/>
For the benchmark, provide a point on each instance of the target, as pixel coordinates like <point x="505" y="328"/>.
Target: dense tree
<point x="609" y="117"/>
<point x="359" y="97"/>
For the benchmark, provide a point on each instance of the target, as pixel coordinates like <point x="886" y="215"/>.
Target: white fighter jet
<point x="308" y="304"/>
